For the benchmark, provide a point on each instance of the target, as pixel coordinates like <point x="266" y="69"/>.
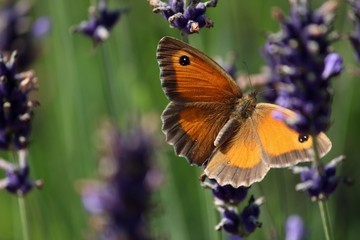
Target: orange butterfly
<point x="210" y="122"/>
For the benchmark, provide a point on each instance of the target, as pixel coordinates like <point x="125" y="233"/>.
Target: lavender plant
<point x="100" y="23"/>
<point x="227" y="200"/>
<point x="18" y="32"/>
<point x="318" y="185"/>
<point x="16" y="110"/>
<point x="188" y="19"/>
<point x="17" y="180"/>
<point x="16" y="114"/>
<point x="354" y="37"/>
<point x="120" y="199"/>
<point x="302" y="65"/>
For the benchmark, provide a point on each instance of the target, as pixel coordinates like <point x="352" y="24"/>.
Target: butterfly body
<point x="211" y="123"/>
<point x="243" y="109"/>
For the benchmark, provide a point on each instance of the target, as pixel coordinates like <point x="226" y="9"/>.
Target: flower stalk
<point x="23" y="218"/>
<point x="325" y="217"/>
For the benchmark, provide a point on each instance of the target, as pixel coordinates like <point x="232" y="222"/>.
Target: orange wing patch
<point x="280" y="144"/>
<point x="238" y="162"/>
<point x="277" y="138"/>
<point x="244" y="148"/>
<point x="187" y="75"/>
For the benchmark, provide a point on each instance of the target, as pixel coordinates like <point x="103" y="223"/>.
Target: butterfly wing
<point x="238" y="161"/>
<point x="203" y="96"/>
<point x="262" y="142"/>
<point x="281" y="145"/>
<point x="188" y="75"/>
<point x="192" y="129"/>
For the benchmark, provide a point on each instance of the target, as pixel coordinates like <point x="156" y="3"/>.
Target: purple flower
<point x="188" y="19"/>
<point x="229" y="194"/>
<point x="101" y="21"/>
<point x="319" y="183"/>
<point x="16" y="110"/>
<point x="250" y="215"/>
<point x="227" y="200"/>
<point x="41" y="27"/>
<point x="120" y="198"/>
<point x="17" y="180"/>
<point x="355" y="36"/>
<point x="302" y="65"/>
<point x="234" y="237"/>
<point x="230" y="221"/>
<point x="241" y="224"/>
<point x="294" y="227"/>
<point x="16" y="31"/>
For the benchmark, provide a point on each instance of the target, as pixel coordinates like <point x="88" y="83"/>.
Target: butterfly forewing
<point x="187" y="75"/>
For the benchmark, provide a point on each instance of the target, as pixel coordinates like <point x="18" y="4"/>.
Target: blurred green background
<point x="73" y="104"/>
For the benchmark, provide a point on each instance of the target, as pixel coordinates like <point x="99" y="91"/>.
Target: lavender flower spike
<point x="188" y="19"/>
<point x="226" y="194"/>
<point x="120" y="198"/>
<point x="16" y="31"/>
<point x="17" y="179"/>
<point x="355" y="36"/>
<point x="101" y="21"/>
<point x="16" y="111"/>
<point x="227" y="200"/>
<point x="244" y="223"/>
<point x="319" y="186"/>
<point x="302" y="64"/>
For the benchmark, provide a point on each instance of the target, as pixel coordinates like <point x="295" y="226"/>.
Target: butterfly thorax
<point x="244" y="107"/>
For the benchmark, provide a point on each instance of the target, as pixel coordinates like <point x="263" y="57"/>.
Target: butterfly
<point x="211" y="123"/>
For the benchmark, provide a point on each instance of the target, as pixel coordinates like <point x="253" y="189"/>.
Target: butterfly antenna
<point x="253" y="90"/>
<point x="267" y="90"/>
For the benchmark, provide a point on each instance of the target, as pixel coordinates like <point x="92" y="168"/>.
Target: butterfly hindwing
<point x="261" y="142"/>
<point x="282" y="146"/>
<point x="238" y="161"/>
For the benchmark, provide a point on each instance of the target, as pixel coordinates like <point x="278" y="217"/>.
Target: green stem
<point x="23" y="218"/>
<point x="218" y="218"/>
<point x="329" y="235"/>
<point x="270" y="218"/>
<point x="185" y="37"/>
<point x="107" y="83"/>
<point x="22" y="207"/>
<point x="325" y="218"/>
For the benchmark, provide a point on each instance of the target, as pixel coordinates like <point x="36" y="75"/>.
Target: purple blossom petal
<point x="295" y="229"/>
<point x="41" y="27"/>
<point x="333" y="66"/>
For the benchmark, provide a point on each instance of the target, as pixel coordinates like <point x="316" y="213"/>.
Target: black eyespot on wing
<point x="303" y="138"/>
<point x="184" y="60"/>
